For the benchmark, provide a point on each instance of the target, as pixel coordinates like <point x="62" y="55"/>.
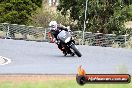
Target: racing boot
<point x="64" y="53"/>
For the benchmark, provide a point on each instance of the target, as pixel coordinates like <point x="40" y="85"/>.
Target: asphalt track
<point x="30" y="57"/>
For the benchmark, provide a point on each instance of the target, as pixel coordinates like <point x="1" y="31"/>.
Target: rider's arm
<point x="62" y="27"/>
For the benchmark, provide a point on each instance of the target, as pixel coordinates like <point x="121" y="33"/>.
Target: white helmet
<point x="53" y="25"/>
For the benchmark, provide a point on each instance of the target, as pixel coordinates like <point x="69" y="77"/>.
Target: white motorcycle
<point x="68" y="43"/>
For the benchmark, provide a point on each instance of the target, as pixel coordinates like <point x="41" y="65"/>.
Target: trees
<point x="42" y="17"/>
<point x="17" y="11"/>
<point x="106" y="16"/>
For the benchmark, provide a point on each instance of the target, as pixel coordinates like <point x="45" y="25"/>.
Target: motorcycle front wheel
<point x="76" y="50"/>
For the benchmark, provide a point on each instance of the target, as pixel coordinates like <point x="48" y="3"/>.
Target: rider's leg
<point x="62" y="49"/>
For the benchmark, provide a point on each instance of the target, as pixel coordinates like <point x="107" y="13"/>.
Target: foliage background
<point x="105" y="16"/>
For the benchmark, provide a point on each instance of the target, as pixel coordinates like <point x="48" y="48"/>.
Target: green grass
<point x="59" y="84"/>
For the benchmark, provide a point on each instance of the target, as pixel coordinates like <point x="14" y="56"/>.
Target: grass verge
<point x="58" y="84"/>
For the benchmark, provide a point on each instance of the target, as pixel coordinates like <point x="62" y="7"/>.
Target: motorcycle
<point x="67" y="42"/>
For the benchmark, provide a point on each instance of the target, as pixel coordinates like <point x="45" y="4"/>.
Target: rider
<point x="55" y="29"/>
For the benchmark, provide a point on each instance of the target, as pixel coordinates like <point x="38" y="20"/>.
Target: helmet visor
<point x="52" y="27"/>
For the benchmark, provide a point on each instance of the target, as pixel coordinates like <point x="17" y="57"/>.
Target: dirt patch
<point x="35" y="78"/>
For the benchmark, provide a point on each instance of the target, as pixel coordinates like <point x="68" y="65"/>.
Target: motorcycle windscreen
<point x="63" y="35"/>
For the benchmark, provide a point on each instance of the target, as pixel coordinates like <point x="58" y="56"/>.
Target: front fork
<point x="72" y="42"/>
<point x="68" y="46"/>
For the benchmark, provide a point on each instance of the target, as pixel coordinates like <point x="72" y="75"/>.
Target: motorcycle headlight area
<point x="68" y="39"/>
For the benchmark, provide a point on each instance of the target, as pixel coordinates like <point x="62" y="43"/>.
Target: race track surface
<point x="30" y="57"/>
